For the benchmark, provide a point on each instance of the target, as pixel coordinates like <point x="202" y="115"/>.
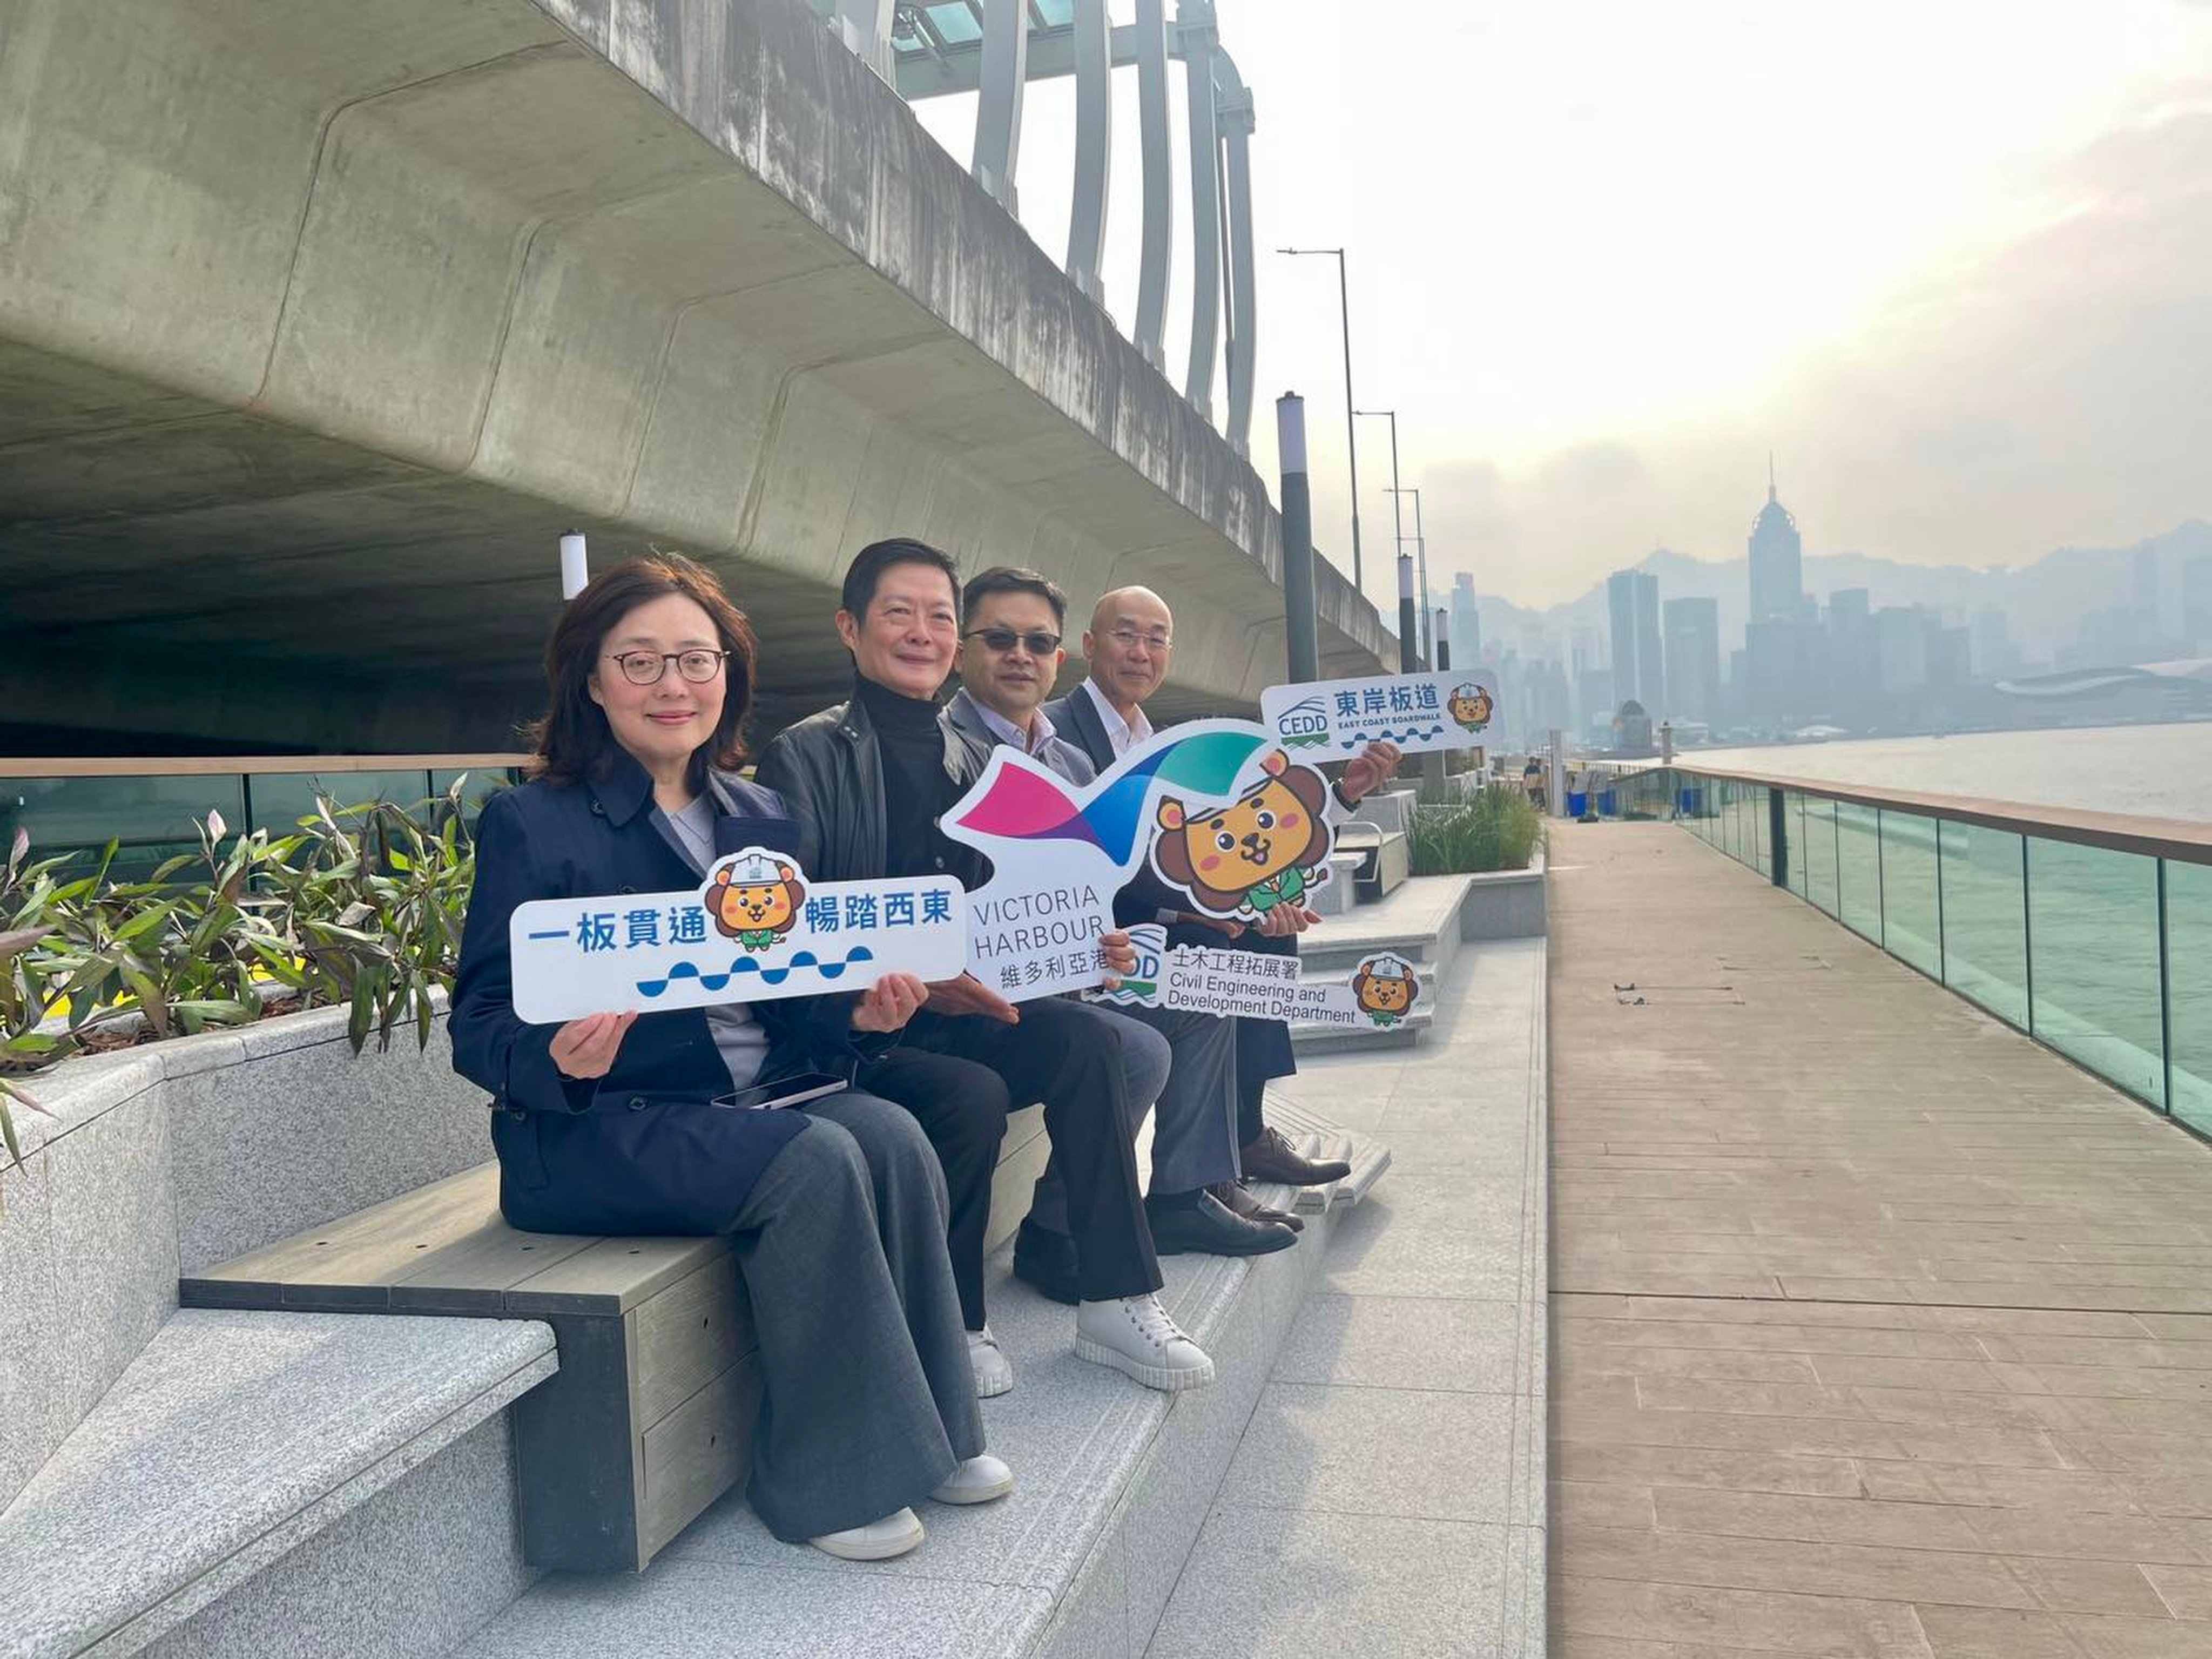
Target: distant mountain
<point x="2044" y="602"/>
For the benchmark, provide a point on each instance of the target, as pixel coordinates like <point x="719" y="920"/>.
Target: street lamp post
<point x="1397" y="534"/>
<point x="1425" y="643"/>
<point x="1350" y="438"/>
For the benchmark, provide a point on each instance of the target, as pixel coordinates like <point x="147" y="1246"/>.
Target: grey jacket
<point x="830" y="774"/>
<point x="1060" y="756"/>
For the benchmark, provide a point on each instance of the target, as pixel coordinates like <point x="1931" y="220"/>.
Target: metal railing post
<point x="2165" y="998"/>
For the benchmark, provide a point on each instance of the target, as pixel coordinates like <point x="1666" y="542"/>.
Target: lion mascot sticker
<point x="1270" y="847"/>
<point x="1386" y="988"/>
<point x="754" y="900"/>
<point x="1470" y="706"/>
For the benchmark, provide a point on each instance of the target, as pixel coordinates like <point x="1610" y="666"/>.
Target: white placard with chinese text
<point x="757" y="928"/>
<point x="1334" y="720"/>
<point x="1060" y="851"/>
<point x="1381" y="990"/>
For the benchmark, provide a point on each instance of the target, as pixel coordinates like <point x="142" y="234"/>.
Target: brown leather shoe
<point x="1239" y="1199"/>
<point x="1272" y="1158"/>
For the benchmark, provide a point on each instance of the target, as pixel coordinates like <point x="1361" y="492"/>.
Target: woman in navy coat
<point x="837" y="1211"/>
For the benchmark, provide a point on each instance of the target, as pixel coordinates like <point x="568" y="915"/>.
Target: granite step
<point x="1113" y="1482"/>
<point x="232" y="1441"/>
<point x="1418" y="921"/>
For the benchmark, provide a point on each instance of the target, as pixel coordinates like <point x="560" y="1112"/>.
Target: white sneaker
<point x="895" y="1535"/>
<point x="1135" y="1336"/>
<point x="995" y="1372"/>
<point x="978" y="1480"/>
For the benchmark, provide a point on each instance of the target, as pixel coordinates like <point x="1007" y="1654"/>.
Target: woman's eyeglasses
<point x="1000" y="641"/>
<point x="646" y="667"/>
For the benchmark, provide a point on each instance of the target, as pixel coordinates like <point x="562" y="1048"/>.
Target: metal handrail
<point x="181" y="766"/>
<point x="2183" y="839"/>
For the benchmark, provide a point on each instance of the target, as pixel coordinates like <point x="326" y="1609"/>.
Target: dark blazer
<point x="640" y="1150"/>
<point x="1075" y="721"/>
<point x="1263" y="1046"/>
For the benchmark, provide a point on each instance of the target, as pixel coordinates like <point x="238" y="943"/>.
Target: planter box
<point x="1505" y="904"/>
<point x="162" y="1159"/>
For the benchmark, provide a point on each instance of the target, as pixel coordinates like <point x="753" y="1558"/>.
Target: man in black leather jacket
<point x="867" y="781"/>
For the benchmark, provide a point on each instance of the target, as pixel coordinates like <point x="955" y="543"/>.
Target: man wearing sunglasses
<point x="1010" y="654"/>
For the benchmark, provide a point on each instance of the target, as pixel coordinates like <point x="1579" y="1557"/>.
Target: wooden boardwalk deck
<point x="1878" y="1330"/>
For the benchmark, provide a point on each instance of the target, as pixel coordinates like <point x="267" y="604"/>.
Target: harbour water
<point x="2099" y="953"/>
<point x="2156" y="771"/>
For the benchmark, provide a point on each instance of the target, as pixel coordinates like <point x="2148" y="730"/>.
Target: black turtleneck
<point x="916" y="791"/>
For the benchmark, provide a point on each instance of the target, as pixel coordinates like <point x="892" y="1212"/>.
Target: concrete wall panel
<point x="388" y="293"/>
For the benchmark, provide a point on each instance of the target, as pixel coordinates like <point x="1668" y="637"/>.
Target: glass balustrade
<point x="2097" y="950"/>
<point x="153" y="815"/>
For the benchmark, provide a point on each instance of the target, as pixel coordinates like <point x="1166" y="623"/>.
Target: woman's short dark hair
<point x="871" y="562"/>
<point x="573" y="741"/>
<point x="1013" y="578"/>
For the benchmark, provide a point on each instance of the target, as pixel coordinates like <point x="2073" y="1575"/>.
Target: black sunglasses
<point x="1001" y="640"/>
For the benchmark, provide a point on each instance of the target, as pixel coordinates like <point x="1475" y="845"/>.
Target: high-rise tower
<point x="1777" y="561"/>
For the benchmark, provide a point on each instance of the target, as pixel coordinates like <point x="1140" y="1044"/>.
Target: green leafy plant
<point x="362" y="908"/>
<point x="1498" y="830"/>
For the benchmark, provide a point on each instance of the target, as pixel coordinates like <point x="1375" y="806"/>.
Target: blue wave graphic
<point x="653" y="988"/>
<point x="1386" y="735"/>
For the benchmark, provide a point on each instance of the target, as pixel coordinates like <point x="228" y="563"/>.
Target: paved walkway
<point x="1879" y="1330"/>
<point x="1386" y="1498"/>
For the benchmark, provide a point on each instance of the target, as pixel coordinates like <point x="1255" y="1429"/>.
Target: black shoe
<point x="1272" y="1158"/>
<point x="1200" y="1222"/>
<point x="1238" y="1197"/>
<point x="1046" y="1262"/>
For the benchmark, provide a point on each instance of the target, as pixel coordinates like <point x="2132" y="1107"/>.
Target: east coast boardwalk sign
<point x="1330" y="720"/>
<point x="756" y="929"/>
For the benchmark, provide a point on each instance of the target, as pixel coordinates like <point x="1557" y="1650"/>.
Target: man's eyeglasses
<point x="1000" y="641"/>
<point x="646" y="667"/>
<point x="1129" y="639"/>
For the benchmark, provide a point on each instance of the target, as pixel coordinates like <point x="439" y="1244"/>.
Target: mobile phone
<point x="794" y="1091"/>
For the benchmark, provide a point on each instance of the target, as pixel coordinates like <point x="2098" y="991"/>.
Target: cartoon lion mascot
<point x="1385" y="986"/>
<point x="1470" y="706"/>
<point x="755" y="899"/>
<point x="1269" y="847"/>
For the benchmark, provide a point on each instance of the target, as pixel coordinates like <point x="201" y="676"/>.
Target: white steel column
<point x="1094" y="132"/>
<point x="999" y="116"/>
<point x="1158" y="248"/>
<point x="1196" y="31"/>
<point x="864" y="26"/>
<point x="1236" y="123"/>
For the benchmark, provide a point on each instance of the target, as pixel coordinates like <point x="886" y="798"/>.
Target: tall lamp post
<point x="1421" y="542"/>
<point x="1350" y="438"/>
<point x="1397" y="532"/>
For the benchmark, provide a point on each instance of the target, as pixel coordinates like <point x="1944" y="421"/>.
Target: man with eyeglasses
<point x="1010" y="655"/>
<point x="868" y="781"/>
<point x="1127" y="647"/>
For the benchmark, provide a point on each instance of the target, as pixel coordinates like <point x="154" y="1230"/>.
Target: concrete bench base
<point x="1113" y="1483"/>
<point x="233" y="1439"/>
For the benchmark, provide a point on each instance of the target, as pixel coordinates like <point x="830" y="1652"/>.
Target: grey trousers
<point x="869" y="1398"/>
<point x="1183" y="1066"/>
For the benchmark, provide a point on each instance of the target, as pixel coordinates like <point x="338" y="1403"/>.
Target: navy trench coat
<point x="641" y="1149"/>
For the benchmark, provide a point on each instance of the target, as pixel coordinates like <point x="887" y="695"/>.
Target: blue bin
<point x="1608" y="804"/>
<point x="1578" y="803"/>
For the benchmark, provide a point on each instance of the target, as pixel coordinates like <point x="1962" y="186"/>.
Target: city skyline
<point x="1632" y="303"/>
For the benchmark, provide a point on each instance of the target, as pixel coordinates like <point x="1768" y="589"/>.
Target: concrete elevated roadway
<point x="319" y="321"/>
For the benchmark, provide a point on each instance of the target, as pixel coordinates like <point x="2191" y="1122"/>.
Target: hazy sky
<point x="1951" y="259"/>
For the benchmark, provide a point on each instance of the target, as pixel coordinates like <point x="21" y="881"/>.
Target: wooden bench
<point x="650" y="1417"/>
